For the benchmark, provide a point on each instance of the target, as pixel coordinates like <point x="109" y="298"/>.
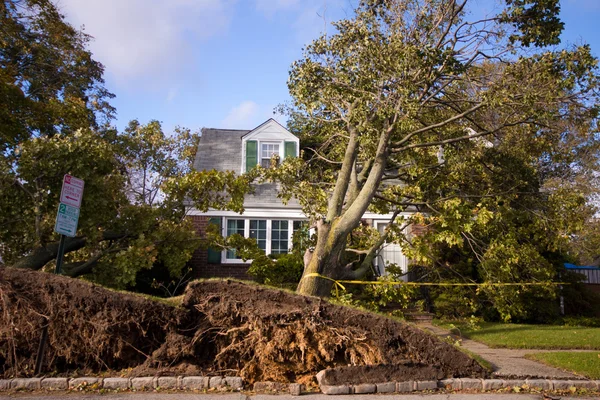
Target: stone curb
<point x="236" y="384"/>
<point x="458" y="384"/>
<point x="140" y="383"/>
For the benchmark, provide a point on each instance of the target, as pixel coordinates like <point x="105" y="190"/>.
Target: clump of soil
<point x="274" y="335"/>
<point x="222" y="327"/>
<point x="404" y="371"/>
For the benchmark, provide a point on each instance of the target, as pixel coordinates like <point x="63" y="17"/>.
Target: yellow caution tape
<point x="339" y="282"/>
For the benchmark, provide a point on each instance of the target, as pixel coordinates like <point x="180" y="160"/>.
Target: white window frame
<point x="280" y="150"/>
<point x="225" y="260"/>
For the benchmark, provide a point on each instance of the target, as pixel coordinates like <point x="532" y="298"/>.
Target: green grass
<point x="522" y="336"/>
<point x="586" y="364"/>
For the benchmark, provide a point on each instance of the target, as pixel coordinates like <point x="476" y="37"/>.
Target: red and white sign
<point x="72" y="191"/>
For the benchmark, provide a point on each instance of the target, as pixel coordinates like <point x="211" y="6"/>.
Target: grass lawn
<point x="587" y="364"/>
<point x="521" y="336"/>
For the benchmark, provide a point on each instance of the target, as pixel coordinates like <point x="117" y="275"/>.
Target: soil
<point x="406" y="371"/>
<point x="221" y="328"/>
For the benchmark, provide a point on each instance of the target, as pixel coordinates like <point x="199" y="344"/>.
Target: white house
<point x="265" y="218"/>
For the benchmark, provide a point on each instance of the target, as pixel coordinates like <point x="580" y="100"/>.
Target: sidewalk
<point x="508" y="363"/>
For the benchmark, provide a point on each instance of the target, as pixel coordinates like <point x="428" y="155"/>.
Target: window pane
<point x="234" y="226"/>
<point x="279" y="237"/>
<point x="267" y="150"/>
<point x="258" y="231"/>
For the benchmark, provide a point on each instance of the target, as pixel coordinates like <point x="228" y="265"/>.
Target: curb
<point x="147" y="383"/>
<point x="233" y="383"/>
<point x="458" y="384"/>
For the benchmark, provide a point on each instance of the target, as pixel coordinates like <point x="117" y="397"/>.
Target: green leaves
<point x="49" y="83"/>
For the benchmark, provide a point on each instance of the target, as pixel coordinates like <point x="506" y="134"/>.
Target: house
<point x="265" y="218"/>
<point x="591" y="275"/>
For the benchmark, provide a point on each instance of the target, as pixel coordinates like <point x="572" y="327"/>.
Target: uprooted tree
<point x="420" y="106"/>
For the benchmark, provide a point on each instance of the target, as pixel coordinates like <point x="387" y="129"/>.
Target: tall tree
<point x="406" y="88"/>
<point x="49" y="82"/>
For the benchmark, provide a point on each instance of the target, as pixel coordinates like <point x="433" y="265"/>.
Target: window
<point x="267" y="150"/>
<point x="235" y="226"/>
<point x="258" y="231"/>
<point x="273" y="236"/>
<point x="279" y="237"/>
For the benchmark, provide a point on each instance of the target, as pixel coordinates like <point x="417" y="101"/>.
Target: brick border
<point x="233" y="383"/>
<point x="458" y="384"/>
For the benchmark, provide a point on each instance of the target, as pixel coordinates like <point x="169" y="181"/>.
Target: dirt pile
<point x="89" y="327"/>
<point x="274" y="335"/>
<point x="222" y="327"/>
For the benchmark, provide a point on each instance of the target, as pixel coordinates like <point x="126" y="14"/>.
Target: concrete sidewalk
<point x="509" y="363"/>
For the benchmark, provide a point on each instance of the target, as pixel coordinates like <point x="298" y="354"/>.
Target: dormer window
<point x="267" y="151"/>
<point x="268" y="145"/>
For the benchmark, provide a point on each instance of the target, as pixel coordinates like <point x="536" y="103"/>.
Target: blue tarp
<point x="573" y="266"/>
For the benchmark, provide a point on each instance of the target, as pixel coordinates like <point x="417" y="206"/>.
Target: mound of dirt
<point x="89" y="328"/>
<point x="222" y="327"/>
<point x="274" y="335"/>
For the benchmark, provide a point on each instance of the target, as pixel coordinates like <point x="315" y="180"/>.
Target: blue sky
<point x="224" y="63"/>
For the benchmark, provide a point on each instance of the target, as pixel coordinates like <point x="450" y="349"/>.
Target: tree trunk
<point x="326" y="260"/>
<point x="41" y="256"/>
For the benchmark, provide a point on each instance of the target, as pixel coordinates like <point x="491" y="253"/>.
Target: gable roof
<point x="271" y="127"/>
<point x="220" y="149"/>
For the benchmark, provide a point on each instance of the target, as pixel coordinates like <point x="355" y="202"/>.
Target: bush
<point x="280" y="270"/>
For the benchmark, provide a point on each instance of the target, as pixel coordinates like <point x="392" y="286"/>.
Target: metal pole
<point x="39" y="361"/>
<point x="59" y="256"/>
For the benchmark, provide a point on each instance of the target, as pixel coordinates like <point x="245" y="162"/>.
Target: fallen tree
<point x="221" y="327"/>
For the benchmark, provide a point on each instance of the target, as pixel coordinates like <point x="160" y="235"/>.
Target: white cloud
<point x="241" y="116"/>
<point x="248" y="115"/>
<point x="141" y="39"/>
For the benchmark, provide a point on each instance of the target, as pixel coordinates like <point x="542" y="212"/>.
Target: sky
<point x="225" y="63"/>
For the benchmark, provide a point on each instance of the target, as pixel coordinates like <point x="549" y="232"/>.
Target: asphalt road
<point x="241" y="396"/>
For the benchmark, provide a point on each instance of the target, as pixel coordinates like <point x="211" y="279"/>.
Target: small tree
<point x="404" y="93"/>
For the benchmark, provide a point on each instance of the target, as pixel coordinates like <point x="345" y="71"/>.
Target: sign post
<point x="67" y="216"/>
<point x="67" y="219"/>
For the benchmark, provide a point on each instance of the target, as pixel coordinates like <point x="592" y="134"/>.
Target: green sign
<point x="66" y="220"/>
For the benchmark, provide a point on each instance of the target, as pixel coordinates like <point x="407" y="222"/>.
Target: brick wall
<point x="199" y="262"/>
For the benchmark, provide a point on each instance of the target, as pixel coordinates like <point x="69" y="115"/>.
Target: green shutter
<point x="214" y="256"/>
<point x="290" y="150"/>
<point x="251" y="154"/>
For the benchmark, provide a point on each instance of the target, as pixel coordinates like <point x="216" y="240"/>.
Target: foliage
<point x="279" y="270"/>
<point x="49" y="82"/>
<point x="585" y="364"/>
<point x="133" y="211"/>
<point x="378" y="296"/>
<point x="581" y="321"/>
<point x="485" y="135"/>
<point x="55" y="120"/>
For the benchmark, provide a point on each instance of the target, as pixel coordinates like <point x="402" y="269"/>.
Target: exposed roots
<point x="222" y="327"/>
